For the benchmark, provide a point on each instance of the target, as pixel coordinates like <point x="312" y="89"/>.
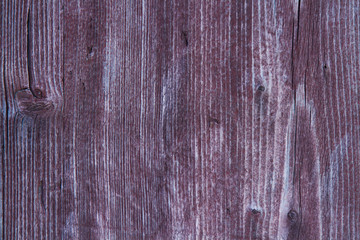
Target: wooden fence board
<point x="180" y="119"/>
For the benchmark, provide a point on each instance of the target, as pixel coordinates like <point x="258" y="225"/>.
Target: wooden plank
<point x="179" y="119"/>
<point x="32" y="76"/>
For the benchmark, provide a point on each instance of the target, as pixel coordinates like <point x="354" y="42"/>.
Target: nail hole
<point x="184" y="36"/>
<point x="228" y="210"/>
<point x="261" y="88"/>
<point x="90" y="49"/>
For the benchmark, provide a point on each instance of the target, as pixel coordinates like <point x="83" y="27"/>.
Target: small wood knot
<point x="90" y="51"/>
<point x="292" y="216"/>
<point x="212" y="120"/>
<point x="34" y="103"/>
<point x="261" y="88"/>
<point x="325" y="67"/>
<point x="38" y="93"/>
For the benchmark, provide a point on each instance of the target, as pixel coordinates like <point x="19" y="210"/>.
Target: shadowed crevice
<point x="28" y="50"/>
<point x="298" y="21"/>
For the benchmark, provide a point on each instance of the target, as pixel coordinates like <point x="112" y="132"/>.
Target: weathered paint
<point x="180" y="119"/>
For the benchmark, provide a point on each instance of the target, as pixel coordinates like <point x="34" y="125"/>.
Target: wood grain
<point x="180" y="119"/>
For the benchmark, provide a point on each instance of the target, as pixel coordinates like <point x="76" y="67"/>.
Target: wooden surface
<point x="186" y="119"/>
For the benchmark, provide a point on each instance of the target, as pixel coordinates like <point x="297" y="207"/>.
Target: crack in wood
<point x="28" y="51"/>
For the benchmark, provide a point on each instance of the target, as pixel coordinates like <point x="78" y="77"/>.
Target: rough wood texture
<point x="180" y="119"/>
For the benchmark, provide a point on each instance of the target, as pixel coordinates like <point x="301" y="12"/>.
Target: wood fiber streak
<point x="175" y="119"/>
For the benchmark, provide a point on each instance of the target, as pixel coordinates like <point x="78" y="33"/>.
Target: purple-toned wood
<point x="180" y="119"/>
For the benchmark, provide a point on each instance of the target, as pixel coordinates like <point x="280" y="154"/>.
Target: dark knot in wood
<point x="35" y="104"/>
<point x="255" y="211"/>
<point x="292" y="216"/>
